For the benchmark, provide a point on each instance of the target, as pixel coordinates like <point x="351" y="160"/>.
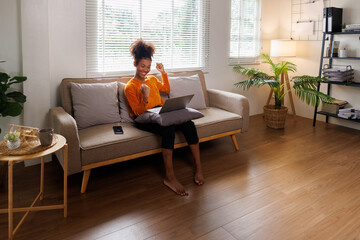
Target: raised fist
<point x="160" y="67"/>
<point x="145" y="90"/>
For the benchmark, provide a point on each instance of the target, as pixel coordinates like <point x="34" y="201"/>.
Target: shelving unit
<point x="352" y="84"/>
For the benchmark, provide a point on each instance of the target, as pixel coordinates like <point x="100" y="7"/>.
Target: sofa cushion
<point x="95" y="103"/>
<point x="181" y="86"/>
<point x="99" y="143"/>
<point x="217" y="121"/>
<point x="124" y="111"/>
<point x="169" y="118"/>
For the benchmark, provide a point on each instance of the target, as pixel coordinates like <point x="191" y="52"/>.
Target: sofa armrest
<point x="231" y="102"/>
<point x="65" y="125"/>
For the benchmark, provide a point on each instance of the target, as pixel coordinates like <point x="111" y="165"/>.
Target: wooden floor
<point x="297" y="183"/>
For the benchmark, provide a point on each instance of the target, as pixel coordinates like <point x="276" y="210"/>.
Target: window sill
<point x="243" y="61"/>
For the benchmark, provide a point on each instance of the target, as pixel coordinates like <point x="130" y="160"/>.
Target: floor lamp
<point x="283" y="48"/>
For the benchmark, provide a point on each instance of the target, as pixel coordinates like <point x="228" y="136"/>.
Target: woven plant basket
<point x="275" y="118"/>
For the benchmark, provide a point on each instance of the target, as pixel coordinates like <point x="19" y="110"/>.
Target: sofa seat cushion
<point x="99" y="143"/>
<point x="215" y="121"/>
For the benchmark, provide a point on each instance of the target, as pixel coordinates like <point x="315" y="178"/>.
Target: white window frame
<point x="94" y="61"/>
<point x="234" y="60"/>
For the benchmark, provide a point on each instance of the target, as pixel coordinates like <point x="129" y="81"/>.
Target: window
<point x="245" y="41"/>
<point x="178" y="29"/>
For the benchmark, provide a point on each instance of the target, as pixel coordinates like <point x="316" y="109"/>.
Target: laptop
<point x="172" y="104"/>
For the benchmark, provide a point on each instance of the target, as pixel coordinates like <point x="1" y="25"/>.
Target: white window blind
<point x="177" y="28"/>
<point x="245" y="42"/>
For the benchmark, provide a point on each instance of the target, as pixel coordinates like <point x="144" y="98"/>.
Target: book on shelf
<point x="335" y="49"/>
<point x="334" y="107"/>
<point x="349" y="113"/>
<point x="352" y="26"/>
<point x="352" y="30"/>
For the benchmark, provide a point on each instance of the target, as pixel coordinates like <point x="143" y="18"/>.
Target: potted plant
<point x="305" y="88"/>
<point x="12" y="140"/>
<point x="10" y="105"/>
<point x="10" y="102"/>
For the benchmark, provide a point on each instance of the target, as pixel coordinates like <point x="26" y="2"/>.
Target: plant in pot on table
<point x="305" y="88"/>
<point x="12" y="140"/>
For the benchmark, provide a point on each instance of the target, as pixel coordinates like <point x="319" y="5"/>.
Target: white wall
<point x="54" y="47"/>
<point x="221" y="76"/>
<point x="10" y="49"/>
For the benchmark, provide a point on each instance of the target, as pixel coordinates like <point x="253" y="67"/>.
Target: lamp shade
<point x="283" y="48"/>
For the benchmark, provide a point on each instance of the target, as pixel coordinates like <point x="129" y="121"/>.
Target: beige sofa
<point x="226" y="114"/>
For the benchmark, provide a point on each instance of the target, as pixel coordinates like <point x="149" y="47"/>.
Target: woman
<point x="143" y="92"/>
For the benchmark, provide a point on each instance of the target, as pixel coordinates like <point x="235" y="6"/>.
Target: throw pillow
<point x="181" y="86"/>
<point x="95" y="103"/>
<point x="124" y="111"/>
<point x="169" y="118"/>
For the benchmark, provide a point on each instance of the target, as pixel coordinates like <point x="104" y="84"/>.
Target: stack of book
<point x="349" y="113"/>
<point x="352" y="27"/>
<point x="339" y="73"/>
<point x="334" y="107"/>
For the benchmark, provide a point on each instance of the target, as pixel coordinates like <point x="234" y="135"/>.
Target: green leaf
<point x="250" y="72"/>
<point x="11" y="109"/>
<point x="249" y="83"/>
<point x="3" y="101"/>
<point x="3" y="88"/>
<point x="310" y="96"/>
<point x="17" y="79"/>
<point x="4" y="77"/>
<point x="17" y="96"/>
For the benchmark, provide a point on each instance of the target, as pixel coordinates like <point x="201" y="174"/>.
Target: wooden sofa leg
<point x="85" y="180"/>
<point x="233" y="137"/>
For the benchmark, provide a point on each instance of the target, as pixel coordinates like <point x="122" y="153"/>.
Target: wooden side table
<point x="60" y="144"/>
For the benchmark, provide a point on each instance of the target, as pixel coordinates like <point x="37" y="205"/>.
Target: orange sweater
<point x="134" y="96"/>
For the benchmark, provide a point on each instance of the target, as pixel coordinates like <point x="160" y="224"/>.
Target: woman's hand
<point x="145" y="90"/>
<point x="160" y="68"/>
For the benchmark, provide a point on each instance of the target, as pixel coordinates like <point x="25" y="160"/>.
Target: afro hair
<point x="141" y="49"/>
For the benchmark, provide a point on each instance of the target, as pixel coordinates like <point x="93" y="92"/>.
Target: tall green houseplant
<point x="305" y="87"/>
<point x="10" y="102"/>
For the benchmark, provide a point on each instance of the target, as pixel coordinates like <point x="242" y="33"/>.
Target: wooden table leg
<point x="10" y="203"/>
<point x="65" y="178"/>
<point x="42" y="179"/>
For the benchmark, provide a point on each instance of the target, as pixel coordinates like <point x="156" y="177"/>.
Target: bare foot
<point x="175" y="186"/>
<point x="199" y="178"/>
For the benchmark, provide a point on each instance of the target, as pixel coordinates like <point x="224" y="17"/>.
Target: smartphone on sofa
<point x="118" y="130"/>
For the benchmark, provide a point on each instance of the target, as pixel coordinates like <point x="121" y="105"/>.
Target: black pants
<point x="168" y="133"/>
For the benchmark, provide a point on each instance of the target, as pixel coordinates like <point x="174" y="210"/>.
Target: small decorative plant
<point x="13" y="140"/>
<point x="10" y="102"/>
<point x="12" y="136"/>
<point x="305" y="86"/>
